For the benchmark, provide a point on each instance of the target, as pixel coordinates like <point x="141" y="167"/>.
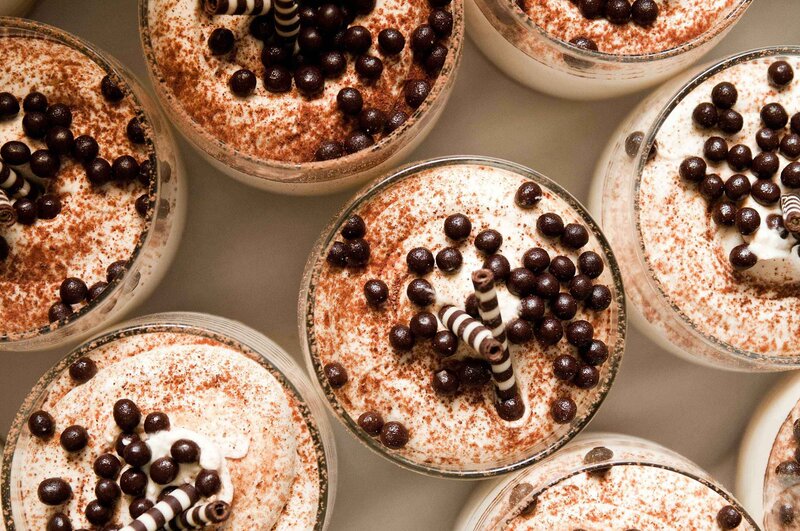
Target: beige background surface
<point x="243" y="253"/>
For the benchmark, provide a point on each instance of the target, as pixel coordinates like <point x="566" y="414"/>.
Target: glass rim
<point x="271" y="356"/>
<point x="697" y="79"/>
<point x="109" y="65"/>
<point x="523" y="20"/>
<point x="198" y="137"/>
<point x="306" y="307"/>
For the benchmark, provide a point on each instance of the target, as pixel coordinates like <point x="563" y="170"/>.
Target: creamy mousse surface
<point x="689" y="240"/>
<point x="444" y="426"/>
<point x="782" y="477"/>
<point x="288" y="126"/>
<point x="97" y="225"/>
<point x="678" y="22"/>
<point x="252" y="430"/>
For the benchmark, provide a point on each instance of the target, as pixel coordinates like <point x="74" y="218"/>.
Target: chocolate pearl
<point x="337" y="255"/>
<point x="73" y="290"/>
<point x="449" y="260"/>
<point x="242" y="82"/>
<point x="715" y="149"/>
<point x="97" y="514"/>
<point x="740" y="157"/>
<point x="420" y="292"/>
<point x="724" y="95"/>
<point x="34" y="124"/>
<point x="59" y="114"/>
<point x="275" y="55"/>
<point x="372" y="120"/>
<point x="528" y="195"/>
<point x="705" y="115"/>
<point x="221" y="41"/>
<point x="786" y="513"/>
<point x="519" y="331"/>
<point x="309" y="80"/>
<point x="155" y="422"/>
<point x="741" y="257"/>
<point x="562" y="268"/>
<point x="107" y="492"/>
<point x="135" y="131"/>
<point x="730" y="121"/>
<point x="618" y="11"/>
<point x="474" y="372"/>
<point x="575" y="236"/>
<point x="563" y="410"/>
<point x="54" y="491"/>
<point x="774" y="116"/>
<point x="396" y="119"/>
<point x="780" y="73"/>
<point x="729" y="518"/>
<point x="591" y="264"/>
<point x="580" y="333"/>
<point x="35" y="102"/>
<point x="587" y="377"/>
<point x="369" y="67"/>
<point x="83" y="369"/>
<point x="550" y="225"/>
<point x="207" y="483"/>
<point x="329" y="150"/>
<point x="329" y="18"/>
<point x="445" y="343"/>
<point x="457" y="227"/>
<point x="391" y="41"/>
<point x="98" y="171"/>
<point x="115" y="270"/>
<point x="521" y="282"/>
<point x="767" y="139"/>
<point x="139" y="506"/>
<point x="164" y="470"/>
<point x="795" y="123"/>
<point x="107" y="466"/>
<point x="60" y="140"/>
<point x="498" y="265"/>
<point x="48" y="206"/>
<point x="424" y="325"/>
<point x="358" y="252"/>
<point x="125" y="168"/>
<point x="644" y="12"/>
<point x="790" y="146"/>
<point x="74" y="438"/>
<point x="510" y="409"/>
<point x="96" y="290"/>
<point x="600" y="299"/>
<point x="442" y="22"/>
<point x="371" y="422"/>
<point x="59" y="522"/>
<point x="789" y="469"/>
<point x="394" y="435"/>
<point x="471" y="306"/>
<point x="445" y="382"/>
<point x="550" y="331"/>
<point x="142" y="205"/>
<point x="350" y="101"/>
<point x="310" y="40"/>
<point x="420" y="260"/>
<point x="546" y="286"/>
<point x="123" y="440"/>
<point x="583" y="43"/>
<point x="724" y="213"/>
<point x="765" y="165"/>
<point x="3" y="249"/>
<point x="580" y="287"/>
<point x="307" y="15"/>
<point x="59" y="312"/>
<point x="712" y="187"/>
<point x="594" y="353"/>
<point x="592" y="8"/>
<point x="336" y="374"/>
<point x="277" y="79"/>
<point x="766" y="192"/>
<point x="26" y="211"/>
<point x="564" y="306"/>
<point x="536" y="259"/>
<point x="376" y="292"/>
<point x="693" y="169"/>
<point x="127" y="414"/>
<point x="436" y="59"/>
<point x="634" y="141"/>
<point x="775" y="222"/>
<point x="41" y="424"/>
<point x="790" y="176"/>
<point x="737" y="187"/>
<point x="415" y="92"/>
<point x="333" y="64"/>
<point x="15" y="153"/>
<point x="137" y="454"/>
<point x="488" y="241"/>
<point x="45" y="163"/>
<point x="185" y="451"/>
<point x="422" y="39"/>
<point x="532" y="308"/>
<point x="401" y="337"/>
<point x="565" y="367"/>
<point x="354" y="228"/>
<point x="357" y="40"/>
<point x="85" y="148"/>
<point x="356" y="141"/>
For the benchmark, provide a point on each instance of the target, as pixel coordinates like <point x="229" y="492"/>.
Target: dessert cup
<point x="284" y="162"/>
<point x="234" y="393"/>
<point x="546" y="62"/>
<point x="676" y="247"/>
<point x="142" y="238"/>
<point x="604" y="481"/>
<point x="435" y="391"/>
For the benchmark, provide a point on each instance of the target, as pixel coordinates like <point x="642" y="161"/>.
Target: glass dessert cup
<point x="317" y="177"/>
<point x="164" y="222"/>
<point x="219" y="339"/>
<point x="502" y="174"/>
<point x="528" y="54"/>
<point x="614" y="198"/>
<point x="497" y="504"/>
<point x="768" y="442"/>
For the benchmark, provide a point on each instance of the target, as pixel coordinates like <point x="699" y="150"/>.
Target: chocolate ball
<point x="336" y="374"/>
<point x="107" y="492"/>
<point x="693" y="169"/>
<point x="337" y="255"/>
<point x="277" y="79"/>
<point x="705" y="115"/>
<point x="420" y="261"/>
<point x="185" y="451"/>
<point x="519" y="331"/>
<point x="97" y="513"/>
<point x="445" y="382"/>
<point x="401" y="337"/>
<point x="127" y="414"/>
<point x="358" y="253"/>
<point x="59" y="114"/>
<point x="546" y="286"/>
<point x="135" y="131"/>
<point x="96" y="290"/>
<point x="242" y="82"/>
<point x="309" y="80"/>
<point x="600" y="298"/>
<point x="421" y="292"/>
<point x="60" y="140"/>
<point x="594" y="353"/>
<point x="590" y="264"/>
<point x="564" y="306"/>
<point x="562" y="268"/>
<point x="741" y="257"/>
<point x="133" y="482"/>
<point x="550" y="331"/>
<point x="48" y="206"/>
<point x="26" y="211"/>
<point x="372" y="120"/>
<point x="333" y="64"/>
<point x="730" y="122"/>
<point x="712" y="187"/>
<point x="729" y="518"/>
<point x="528" y="195"/>
<point x="442" y="22"/>
<point x="394" y="435"/>
<point x="15" y="153"/>
<point x="163" y="470"/>
<point x="424" y="325"/>
<point x="74" y="439"/>
<point x="575" y="236"/>
<point x="329" y="150"/>
<point x="54" y="491"/>
<point x="724" y="213"/>
<point x="580" y="333"/>
<point x="790" y="176"/>
<point x="85" y="148"/>
<point x="740" y="157"/>
<point x="445" y="343"/>
<point x="715" y="149"/>
<point x="499" y="266"/>
<point x="780" y="73"/>
<point x="565" y="367"/>
<point x="59" y="522"/>
<point x="521" y="282"/>
<point x="774" y="116"/>
<point x="208" y="483"/>
<point x="391" y="41"/>
<point x="457" y="227"/>
<point x="59" y="312"/>
<point x="488" y="241"/>
<point x="354" y="227"/>
<point x="122" y="442"/>
<point x="369" y="67"/>
<point x="737" y="187"/>
<point x="790" y="146"/>
<point x="587" y="377"/>
<point x="107" y="466"/>
<point x="580" y="287"/>
<point x="82" y="370"/>
<point x="563" y="410"/>
<point x="724" y="95"/>
<point x="376" y="292"/>
<point x="618" y="11"/>
<point x="415" y="92"/>
<point x="551" y="225"/>
<point x="536" y="260"/>
<point x="137" y="454"/>
<point x="155" y="422"/>
<point x="221" y="41"/>
<point x="766" y="192"/>
<point x="34" y="124"/>
<point x="449" y="260"/>
<point x="357" y="40"/>
<point x="45" y="163"/>
<point x="474" y="372"/>
<point x="765" y="165"/>
<point x="33" y="102"/>
<point x="371" y="422"/>
<point x="98" y="171"/>
<point x="767" y="139"/>
<point x="73" y="290"/>
<point x="396" y="119"/>
<point x="357" y="141"/>
<point x="510" y="409"/>
<point x="532" y="308"/>
<point x="139" y="506"/>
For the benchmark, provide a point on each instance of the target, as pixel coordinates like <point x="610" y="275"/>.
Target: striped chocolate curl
<point x="489" y="309"/>
<point x="287" y="20"/>
<point x="790" y="204"/>
<point x="200" y="516"/>
<point x="12" y="183"/>
<point x="168" y="508"/>
<point x="472" y="332"/>
<point x="8" y="216"/>
<point x="237" y="7"/>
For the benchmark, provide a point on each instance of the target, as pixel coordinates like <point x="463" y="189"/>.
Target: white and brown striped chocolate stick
<point x="489" y="309"/>
<point x="790" y="203"/>
<point x="168" y="508"/>
<point x="472" y="332"/>
<point x="200" y="516"/>
<point x="237" y="7"/>
<point x="287" y="19"/>
<point x="8" y="216"/>
<point x="12" y="183"/>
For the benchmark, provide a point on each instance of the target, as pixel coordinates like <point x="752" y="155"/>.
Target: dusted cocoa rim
<point x="13" y="27"/>
<point x="786" y="362"/>
<point x="245" y="340"/>
<point x="306" y="304"/>
<point x="316" y="171"/>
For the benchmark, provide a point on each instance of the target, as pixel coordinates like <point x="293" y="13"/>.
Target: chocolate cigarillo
<point x="287" y="20"/>
<point x="790" y="204"/>
<point x="167" y="509"/>
<point x="237" y="7"/>
<point x="472" y="332"/>
<point x="8" y="216"/>
<point x="12" y="183"/>
<point x="200" y="516"/>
